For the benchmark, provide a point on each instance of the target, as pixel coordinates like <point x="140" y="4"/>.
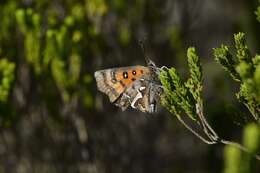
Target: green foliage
<point x="59" y="42"/>
<point x="244" y="69"/>
<point x="232" y="157"/>
<point x="257" y="13"/>
<point x="186" y="97"/>
<point x="53" y="47"/>
<point x="251" y="138"/>
<point x="60" y="52"/>
<point x="242" y="51"/>
<point x="195" y="81"/>
<point x="6" y="78"/>
<point x="96" y="8"/>
<point x="56" y="53"/>
<point x="6" y="19"/>
<point x="238" y="162"/>
<point x="29" y="23"/>
<point x="183" y="96"/>
<point x="7" y="29"/>
<point x="223" y="56"/>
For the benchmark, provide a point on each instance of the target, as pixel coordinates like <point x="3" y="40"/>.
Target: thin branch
<point x="195" y="133"/>
<point x="208" y="130"/>
<point x="253" y="114"/>
<point x="211" y="134"/>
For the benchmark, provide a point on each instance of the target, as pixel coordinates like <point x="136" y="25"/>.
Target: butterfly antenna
<point x="142" y="45"/>
<point x="149" y="62"/>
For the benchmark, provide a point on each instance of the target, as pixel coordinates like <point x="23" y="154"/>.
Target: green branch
<point x="185" y="98"/>
<point x="182" y="96"/>
<point x="223" y="57"/>
<point x="242" y="67"/>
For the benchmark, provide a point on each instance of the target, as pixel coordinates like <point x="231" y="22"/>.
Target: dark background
<point x="48" y="125"/>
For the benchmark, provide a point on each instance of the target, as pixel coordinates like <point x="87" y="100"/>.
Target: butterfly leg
<point x="155" y="91"/>
<point x="164" y="68"/>
<point x="137" y="97"/>
<point x="127" y="96"/>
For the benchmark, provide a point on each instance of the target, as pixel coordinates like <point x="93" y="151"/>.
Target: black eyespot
<point x="133" y="79"/>
<point x="134" y="72"/>
<point x="125" y="75"/>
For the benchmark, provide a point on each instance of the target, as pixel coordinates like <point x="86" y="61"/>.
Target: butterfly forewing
<point x="113" y="82"/>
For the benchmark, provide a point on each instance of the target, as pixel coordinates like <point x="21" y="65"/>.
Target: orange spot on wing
<point x="131" y="77"/>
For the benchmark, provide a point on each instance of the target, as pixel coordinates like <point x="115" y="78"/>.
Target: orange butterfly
<point x="135" y="86"/>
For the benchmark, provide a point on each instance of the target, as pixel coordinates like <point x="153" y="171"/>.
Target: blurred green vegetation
<point x="257" y="12"/>
<point x="237" y="161"/>
<point x="7" y="77"/>
<point x="52" y="118"/>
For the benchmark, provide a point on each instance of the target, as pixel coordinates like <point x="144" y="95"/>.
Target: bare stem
<point x="208" y="130"/>
<point x="212" y="136"/>
<point x="255" y="115"/>
<point x="196" y="133"/>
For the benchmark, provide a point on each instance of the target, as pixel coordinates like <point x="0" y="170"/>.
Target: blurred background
<point x="52" y="117"/>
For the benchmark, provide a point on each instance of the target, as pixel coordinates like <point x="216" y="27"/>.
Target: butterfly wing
<point x="115" y="81"/>
<point x="143" y="95"/>
<point x="131" y="94"/>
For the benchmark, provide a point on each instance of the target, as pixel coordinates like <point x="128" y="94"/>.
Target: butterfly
<point x="136" y="86"/>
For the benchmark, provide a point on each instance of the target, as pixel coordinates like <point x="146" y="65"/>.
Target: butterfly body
<point x="135" y="86"/>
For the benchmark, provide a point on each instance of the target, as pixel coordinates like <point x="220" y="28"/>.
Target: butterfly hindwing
<point x="143" y="95"/>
